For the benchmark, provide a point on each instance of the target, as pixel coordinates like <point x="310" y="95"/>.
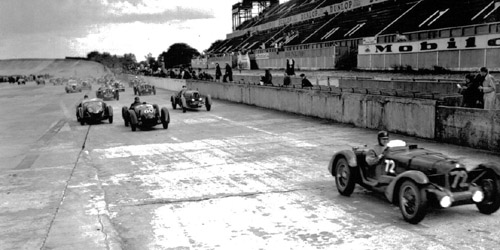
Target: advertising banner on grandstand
<point x="261" y="56"/>
<point x="315" y="13"/>
<point x="452" y="43"/>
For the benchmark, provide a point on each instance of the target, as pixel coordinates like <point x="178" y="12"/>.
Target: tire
<point x="172" y="100"/>
<point x="412" y="202"/>
<point x="183" y="103"/>
<point x="208" y="103"/>
<point x="117" y="95"/>
<point x="345" y="177"/>
<point x="491" y="188"/>
<point x="154" y="91"/>
<point x="165" y="117"/>
<point x="110" y="114"/>
<point x="125" y="115"/>
<point x="133" y="120"/>
<point x="82" y="121"/>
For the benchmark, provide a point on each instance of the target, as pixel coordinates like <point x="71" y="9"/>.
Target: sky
<point x="60" y="28"/>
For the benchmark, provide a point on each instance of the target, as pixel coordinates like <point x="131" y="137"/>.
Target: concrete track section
<point x="235" y="177"/>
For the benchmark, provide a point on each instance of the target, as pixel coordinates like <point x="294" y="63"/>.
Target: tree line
<point x="177" y="55"/>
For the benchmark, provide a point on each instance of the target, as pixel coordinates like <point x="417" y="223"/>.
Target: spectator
<point x="305" y="81"/>
<point x="401" y="38"/>
<point x="290" y="67"/>
<point x="488" y="88"/>
<point x="268" y="78"/>
<point x="286" y="80"/>
<point x="472" y="96"/>
<point x="228" y="73"/>
<point x="218" y="72"/>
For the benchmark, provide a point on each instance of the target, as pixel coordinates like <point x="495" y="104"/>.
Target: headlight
<point x="478" y="196"/>
<point x="201" y="99"/>
<point x="445" y="201"/>
<point x="192" y="100"/>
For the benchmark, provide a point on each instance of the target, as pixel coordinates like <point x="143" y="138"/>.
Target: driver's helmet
<point x="382" y="135"/>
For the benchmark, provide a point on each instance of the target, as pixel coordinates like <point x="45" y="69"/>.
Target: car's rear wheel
<point x="344" y="177"/>
<point x="133" y="120"/>
<point x="172" y="100"/>
<point x="208" y="103"/>
<point x="154" y="91"/>
<point x="110" y="114"/>
<point x="491" y="188"/>
<point x="125" y="115"/>
<point x="412" y="202"/>
<point x="117" y="95"/>
<point x="165" y="117"/>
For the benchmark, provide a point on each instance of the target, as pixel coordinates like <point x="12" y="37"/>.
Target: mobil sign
<point x="452" y="43"/>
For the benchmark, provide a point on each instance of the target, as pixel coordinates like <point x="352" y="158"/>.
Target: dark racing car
<point x="191" y="99"/>
<point x="145" y="115"/>
<point x="415" y="178"/>
<point x="72" y="87"/>
<point x="107" y="93"/>
<point x="144" y="89"/>
<point x="93" y="110"/>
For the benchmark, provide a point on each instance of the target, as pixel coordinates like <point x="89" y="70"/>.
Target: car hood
<point x="423" y="160"/>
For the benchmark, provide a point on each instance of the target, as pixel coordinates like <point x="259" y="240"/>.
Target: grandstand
<point x="459" y="35"/>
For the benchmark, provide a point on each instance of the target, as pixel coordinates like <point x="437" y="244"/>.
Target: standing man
<point x="489" y="89"/>
<point x="228" y="74"/>
<point x="218" y="72"/>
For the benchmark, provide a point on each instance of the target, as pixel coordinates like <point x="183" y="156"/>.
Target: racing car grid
<point x="412" y="178"/>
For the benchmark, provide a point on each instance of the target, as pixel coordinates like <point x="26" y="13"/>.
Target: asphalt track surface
<point x="237" y="177"/>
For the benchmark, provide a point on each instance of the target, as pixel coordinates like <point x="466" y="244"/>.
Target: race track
<point x="237" y="177"/>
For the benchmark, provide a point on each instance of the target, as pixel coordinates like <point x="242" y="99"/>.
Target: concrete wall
<point x="416" y="117"/>
<point x="420" y="86"/>
<point x="403" y="115"/>
<point x="475" y="128"/>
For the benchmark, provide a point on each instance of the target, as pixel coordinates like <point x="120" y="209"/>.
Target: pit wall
<point x="474" y="128"/>
<point x="413" y="117"/>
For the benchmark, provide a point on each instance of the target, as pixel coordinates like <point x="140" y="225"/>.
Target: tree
<point x="178" y="54"/>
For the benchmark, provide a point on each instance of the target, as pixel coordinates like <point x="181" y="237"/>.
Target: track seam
<point x="65" y="190"/>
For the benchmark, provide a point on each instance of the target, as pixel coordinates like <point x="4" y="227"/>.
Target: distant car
<point x="415" y="178"/>
<point x="86" y="85"/>
<point x="144" y="89"/>
<point x="191" y="99"/>
<point x="21" y="81"/>
<point x="145" y="115"/>
<point x="93" y="110"/>
<point x="72" y="87"/>
<point x="40" y="81"/>
<point x="119" y="86"/>
<point x="107" y="93"/>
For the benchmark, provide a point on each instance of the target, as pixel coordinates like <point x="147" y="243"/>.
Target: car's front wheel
<point x="165" y="117"/>
<point x="125" y="115"/>
<point x="491" y="188"/>
<point x="172" y="100"/>
<point x="133" y="120"/>
<point x="344" y="177"/>
<point x="412" y="202"/>
<point x="110" y="114"/>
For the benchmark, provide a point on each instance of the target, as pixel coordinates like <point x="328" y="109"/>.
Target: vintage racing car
<point x="72" y="87"/>
<point x="86" y="85"/>
<point x="107" y="93"/>
<point x="145" y="115"/>
<point x="144" y="89"/>
<point x="93" y="110"/>
<point x="415" y="178"/>
<point x="119" y="86"/>
<point x="190" y="99"/>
